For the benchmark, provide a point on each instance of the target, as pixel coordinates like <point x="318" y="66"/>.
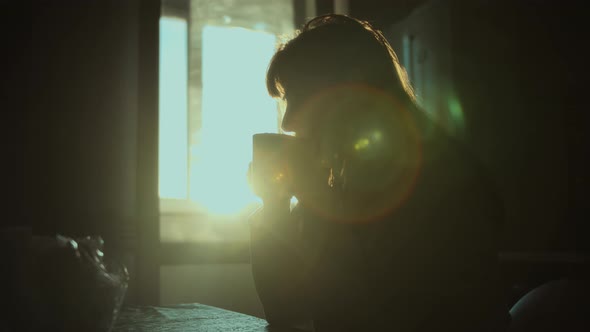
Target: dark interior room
<point x="128" y="136"/>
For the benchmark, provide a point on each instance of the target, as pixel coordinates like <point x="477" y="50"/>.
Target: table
<point x="190" y="317"/>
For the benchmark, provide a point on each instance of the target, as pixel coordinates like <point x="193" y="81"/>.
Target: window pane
<point x="220" y="102"/>
<point x="173" y="126"/>
<point x="235" y="105"/>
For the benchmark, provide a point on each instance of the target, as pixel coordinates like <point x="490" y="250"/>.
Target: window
<point x="213" y="98"/>
<point x="173" y="120"/>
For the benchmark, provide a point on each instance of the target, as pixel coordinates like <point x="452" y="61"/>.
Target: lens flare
<point x="374" y="154"/>
<point x="456" y="114"/>
<point x="362" y="144"/>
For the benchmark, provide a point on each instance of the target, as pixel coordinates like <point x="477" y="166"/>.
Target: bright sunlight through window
<point x="173" y="135"/>
<point x="235" y="105"/>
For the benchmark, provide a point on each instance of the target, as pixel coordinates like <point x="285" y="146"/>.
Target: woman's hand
<point x="274" y="189"/>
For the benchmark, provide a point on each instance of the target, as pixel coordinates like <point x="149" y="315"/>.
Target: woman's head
<point x="332" y="50"/>
<point x="349" y="98"/>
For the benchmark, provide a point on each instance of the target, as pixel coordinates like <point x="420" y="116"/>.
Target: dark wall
<point x="90" y="133"/>
<point x="15" y="101"/>
<point x="82" y="128"/>
<point x="516" y="67"/>
<point x="382" y="13"/>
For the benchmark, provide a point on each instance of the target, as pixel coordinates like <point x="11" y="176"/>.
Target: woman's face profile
<point x="300" y="116"/>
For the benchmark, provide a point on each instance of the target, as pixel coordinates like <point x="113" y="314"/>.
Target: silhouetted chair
<point x="560" y="306"/>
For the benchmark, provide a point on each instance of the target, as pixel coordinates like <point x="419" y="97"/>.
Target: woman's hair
<point x="333" y="49"/>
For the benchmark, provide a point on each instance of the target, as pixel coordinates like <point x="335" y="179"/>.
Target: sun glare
<point x="235" y="105"/>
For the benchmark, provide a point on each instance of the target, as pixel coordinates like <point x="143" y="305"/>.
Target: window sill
<point x="204" y="253"/>
<point x="191" y="235"/>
